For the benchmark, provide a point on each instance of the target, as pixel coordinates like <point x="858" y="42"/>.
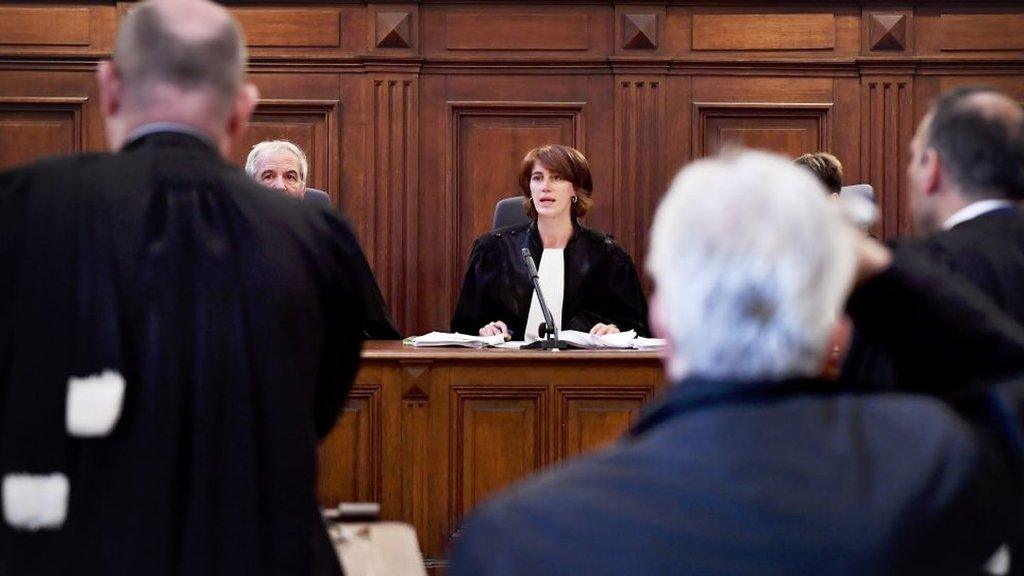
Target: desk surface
<point x="395" y="350"/>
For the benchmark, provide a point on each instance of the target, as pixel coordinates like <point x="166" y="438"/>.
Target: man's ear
<point x="933" y="170"/>
<point x="245" y="103"/>
<point x="110" y="89"/>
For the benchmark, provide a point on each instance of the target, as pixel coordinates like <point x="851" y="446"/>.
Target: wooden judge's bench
<point x="431" y="432"/>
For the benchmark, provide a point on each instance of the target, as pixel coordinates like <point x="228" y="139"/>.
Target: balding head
<point x="190" y="45"/>
<point x="178" y="61"/>
<point x="979" y="134"/>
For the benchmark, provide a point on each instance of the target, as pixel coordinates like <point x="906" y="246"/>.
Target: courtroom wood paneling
<point x="810" y="31"/>
<point x="349" y="457"/>
<point x="499" y="435"/>
<point x="887" y="116"/>
<point x="35" y="127"/>
<point x="290" y="27"/>
<point x="639" y="132"/>
<point x="981" y="32"/>
<point x="788" y="129"/>
<point x="56" y="28"/>
<point x="394" y="100"/>
<point x="491" y="31"/>
<point x="590" y="418"/>
<point x="35" y="26"/>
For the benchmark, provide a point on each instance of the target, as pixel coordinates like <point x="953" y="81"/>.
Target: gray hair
<point x="269" y="147"/>
<point x="752" y="265"/>
<point x="150" y="51"/>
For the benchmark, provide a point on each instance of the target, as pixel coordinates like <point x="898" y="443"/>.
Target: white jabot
<point x="973" y="210"/>
<point x="552" y="282"/>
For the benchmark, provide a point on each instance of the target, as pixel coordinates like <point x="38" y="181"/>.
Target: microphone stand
<point x="548" y="330"/>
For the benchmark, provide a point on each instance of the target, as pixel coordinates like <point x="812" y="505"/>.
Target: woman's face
<point x="551" y="193"/>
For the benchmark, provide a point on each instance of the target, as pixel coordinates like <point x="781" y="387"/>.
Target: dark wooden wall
<point x="415" y="115"/>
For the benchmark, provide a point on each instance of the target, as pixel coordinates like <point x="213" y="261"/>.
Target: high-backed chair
<point x="509" y="211"/>
<point x="318" y="196"/>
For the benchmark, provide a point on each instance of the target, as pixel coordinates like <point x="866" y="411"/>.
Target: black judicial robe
<point x="231" y="312"/>
<point x="601" y="283"/>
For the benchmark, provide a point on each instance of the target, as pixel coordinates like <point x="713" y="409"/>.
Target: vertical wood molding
<point x="394" y="163"/>
<point x="639" y="115"/>
<point x="415" y="436"/>
<point x="886" y="130"/>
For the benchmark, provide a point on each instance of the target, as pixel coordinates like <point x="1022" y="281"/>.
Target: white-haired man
<point x="283" y="166"/>
<point x="751" y="463"/>
<point x="174" y="338"/>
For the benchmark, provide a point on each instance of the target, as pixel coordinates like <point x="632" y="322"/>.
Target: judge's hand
<point x="495" y="328"/>
<point x="602" y="329"/>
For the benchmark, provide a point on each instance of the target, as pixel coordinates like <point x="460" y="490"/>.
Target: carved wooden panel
<point x="487" y="143"/>
<point x="290" y="27"/>
<point x="45" y="26"/>
<point x="592" y="417"/>
<point x="887" y="127"/>
<point x="312" y="125"/>
<point x="888" y="31"/>
<point x="393" y="183"/>
<point x="31" y="128"/>
<point x="764" y="31"/>
<point x="639" y="134"/>
<point x="349" y="457"/>
<point x="500" y="31"/>
<point x="788" y="129"/>
<point x="975" y="32"/>
<point x="498" y="435"/>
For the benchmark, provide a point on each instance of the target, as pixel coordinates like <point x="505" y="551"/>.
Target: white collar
<point x="973" y="210"/>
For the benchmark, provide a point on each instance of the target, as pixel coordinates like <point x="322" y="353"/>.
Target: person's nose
<point x="278" y="183"/>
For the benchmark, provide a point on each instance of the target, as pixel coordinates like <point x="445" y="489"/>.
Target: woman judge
<point x="588" y="281"/>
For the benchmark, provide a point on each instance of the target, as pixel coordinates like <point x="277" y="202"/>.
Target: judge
<point x="589" y="281"/>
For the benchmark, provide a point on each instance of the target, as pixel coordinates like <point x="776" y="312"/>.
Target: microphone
<point x="548" y="330"/>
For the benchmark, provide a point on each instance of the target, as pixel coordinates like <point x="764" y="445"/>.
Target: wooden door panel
<point x="32" y="128"/>
<point x="349" y="457"/>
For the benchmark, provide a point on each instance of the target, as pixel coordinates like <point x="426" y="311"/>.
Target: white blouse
<point x="552" y="282"/>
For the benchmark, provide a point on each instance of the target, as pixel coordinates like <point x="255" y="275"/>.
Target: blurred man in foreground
<point x="174" y="338"/>
<point x="751" y="463"/>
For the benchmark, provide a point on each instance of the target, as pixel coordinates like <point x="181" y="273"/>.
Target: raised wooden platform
<point x="431" y="432"/>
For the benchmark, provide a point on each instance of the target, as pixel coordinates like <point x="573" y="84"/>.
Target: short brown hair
<point x="564" y="161"/>
<point x="826" y="167"/>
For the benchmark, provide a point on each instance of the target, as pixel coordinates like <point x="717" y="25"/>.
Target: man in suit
<point x="174" y="338"/>
<point x="965" y="177"/>
<point x="282" y="165"/>
<point x="752" y="464"/>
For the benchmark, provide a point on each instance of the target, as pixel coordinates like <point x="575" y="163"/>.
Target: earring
<point x="575" y="199"/>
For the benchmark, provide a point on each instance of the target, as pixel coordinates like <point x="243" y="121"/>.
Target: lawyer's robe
<point x="601" y="283"/>
<point x="231" y="312"/>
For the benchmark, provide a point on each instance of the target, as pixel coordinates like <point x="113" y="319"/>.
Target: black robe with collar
<point x="233" y="314"/>
<point x="601" y="283"/>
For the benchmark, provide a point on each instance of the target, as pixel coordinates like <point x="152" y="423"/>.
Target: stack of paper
<point x="455" y="339"/>
<point x="579" y="339"/>
<point x="642" y="343"/>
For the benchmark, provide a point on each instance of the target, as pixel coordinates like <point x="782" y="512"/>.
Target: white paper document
<point x="455" y="339"/>
<point x="585" y="340"/>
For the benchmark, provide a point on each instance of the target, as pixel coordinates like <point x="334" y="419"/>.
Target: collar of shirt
<point x="973" y="210"/>
<point x="154" y="127"/>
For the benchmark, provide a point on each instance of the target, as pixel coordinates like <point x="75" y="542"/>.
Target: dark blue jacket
<point x="793" y="476"/>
